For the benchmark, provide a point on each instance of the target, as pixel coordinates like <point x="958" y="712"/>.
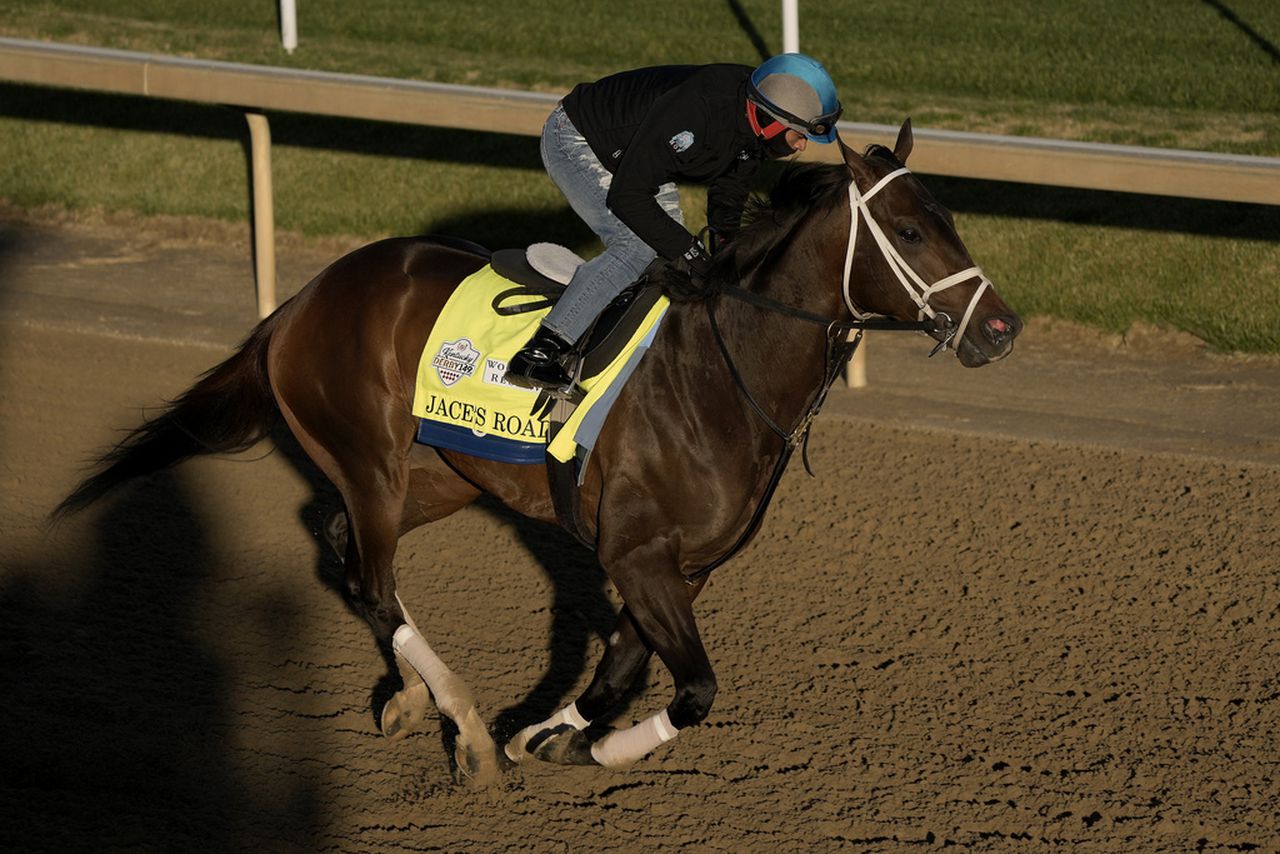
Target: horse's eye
<point x="909" y="235"/>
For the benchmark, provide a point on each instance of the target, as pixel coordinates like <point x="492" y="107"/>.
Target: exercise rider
<point x="616" y="147"/>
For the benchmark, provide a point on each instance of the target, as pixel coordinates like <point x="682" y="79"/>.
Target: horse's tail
<point x="230" y="408"/>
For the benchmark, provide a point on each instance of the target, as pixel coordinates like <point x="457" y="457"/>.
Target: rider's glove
<point x="696" y="261"/>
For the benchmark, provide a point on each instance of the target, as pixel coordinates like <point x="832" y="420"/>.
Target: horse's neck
<point x="782" y="359"/>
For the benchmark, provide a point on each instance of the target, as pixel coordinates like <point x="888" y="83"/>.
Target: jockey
<point x="616" y="147"/>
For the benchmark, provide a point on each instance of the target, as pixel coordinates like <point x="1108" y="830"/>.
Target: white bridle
<point x="910" y="280"/>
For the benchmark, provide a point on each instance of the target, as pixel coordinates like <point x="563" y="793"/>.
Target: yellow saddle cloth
<point x="463" y="403"/>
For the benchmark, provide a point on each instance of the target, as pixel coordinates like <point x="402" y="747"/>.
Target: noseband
<point x="916" y="289"/>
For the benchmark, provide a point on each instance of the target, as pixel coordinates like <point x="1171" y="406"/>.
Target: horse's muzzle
<point x="990" y="341"/>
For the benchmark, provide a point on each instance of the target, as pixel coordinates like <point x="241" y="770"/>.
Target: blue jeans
<point x="585" y="183"/>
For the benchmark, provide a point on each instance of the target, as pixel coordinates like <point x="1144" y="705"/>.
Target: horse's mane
<point x="769" y="220"/>
<point x="799" y="190"/>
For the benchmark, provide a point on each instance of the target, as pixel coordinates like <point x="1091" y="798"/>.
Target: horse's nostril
<point x="998" y="330"/>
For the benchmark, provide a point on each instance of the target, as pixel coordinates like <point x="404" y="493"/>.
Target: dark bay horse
<point x="685" y="458"/>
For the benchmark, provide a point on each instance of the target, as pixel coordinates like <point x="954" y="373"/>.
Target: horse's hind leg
<point x="406" y="710"/>
<point x="434" y="493"/>
<point x="475" y="752"/>
<point x="384" y="497"/>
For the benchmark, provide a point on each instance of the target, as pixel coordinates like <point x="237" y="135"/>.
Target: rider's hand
<point x="696" y="261"/>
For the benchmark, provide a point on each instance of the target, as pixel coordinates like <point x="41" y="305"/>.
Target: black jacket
<point x="670" y="123"/>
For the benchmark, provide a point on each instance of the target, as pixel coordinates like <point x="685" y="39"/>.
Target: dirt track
<point x="1029" y="607"/>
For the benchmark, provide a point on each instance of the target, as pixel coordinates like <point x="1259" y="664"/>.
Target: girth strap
<point x="562" y="477"/>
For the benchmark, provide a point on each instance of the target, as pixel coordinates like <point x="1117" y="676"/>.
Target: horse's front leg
<point x="659" y="604"/>
<point x="624" y="659"/>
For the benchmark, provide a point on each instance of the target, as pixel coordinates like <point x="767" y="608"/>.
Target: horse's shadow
<point x="117" y="707"/>
<point x="580" y="608"/>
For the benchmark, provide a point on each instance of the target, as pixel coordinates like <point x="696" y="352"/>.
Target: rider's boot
<point x="543" y="363"/>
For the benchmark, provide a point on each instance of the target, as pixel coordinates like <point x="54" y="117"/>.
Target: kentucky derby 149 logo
<point x="456" y="360"/>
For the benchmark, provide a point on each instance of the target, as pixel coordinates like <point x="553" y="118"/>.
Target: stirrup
<point x="539" y="363"/>
<point x="551" y="378"/>
<point x="535" y="368"/>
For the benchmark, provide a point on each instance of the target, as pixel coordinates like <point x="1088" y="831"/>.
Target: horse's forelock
<point x="876" y="151"/>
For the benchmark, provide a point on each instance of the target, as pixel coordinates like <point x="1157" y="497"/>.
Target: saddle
<point x="542" y="271"/>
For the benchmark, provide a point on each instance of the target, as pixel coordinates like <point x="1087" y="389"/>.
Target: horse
<point x="683" y="466"/>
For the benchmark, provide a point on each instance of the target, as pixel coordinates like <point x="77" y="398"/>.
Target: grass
<point x="1199" y="74"/>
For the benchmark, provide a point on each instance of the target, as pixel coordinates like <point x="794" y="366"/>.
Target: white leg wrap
<point x="620" y="748"/>
<point x="476" y="753"/>
<point x="405" y="611"/>
<point x="415" y="649"/>
<point x="515" y="748"/>
<point x="408" y="672"/>
<point x="451" y="694"/>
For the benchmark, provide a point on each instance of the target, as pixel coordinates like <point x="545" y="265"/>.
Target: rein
<point x="838" y="352"/>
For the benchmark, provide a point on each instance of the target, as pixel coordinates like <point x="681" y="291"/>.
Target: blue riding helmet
<point x="796" y="90"/>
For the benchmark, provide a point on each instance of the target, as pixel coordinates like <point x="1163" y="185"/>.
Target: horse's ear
<point x="902" y="148"/>
<point x="845" y="151"/>
<point x="857" y="163"/>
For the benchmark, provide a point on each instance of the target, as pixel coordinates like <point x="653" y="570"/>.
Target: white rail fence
<point x="255" y="89"/>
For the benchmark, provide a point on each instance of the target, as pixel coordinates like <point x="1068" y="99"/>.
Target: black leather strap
<point x="562" y="478"/>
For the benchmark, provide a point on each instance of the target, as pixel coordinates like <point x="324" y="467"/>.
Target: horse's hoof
<point x="562" y="745"/>
<point x="477" y="767"/>
<point x="404" y="712"/>
<point x="517" y="749"/>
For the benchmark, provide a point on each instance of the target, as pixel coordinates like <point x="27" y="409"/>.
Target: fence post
<point x="264" y="225"/>
<point x="288" y="25"/>
<point x="855" y="373"/>
<point x="790" y="26"/>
